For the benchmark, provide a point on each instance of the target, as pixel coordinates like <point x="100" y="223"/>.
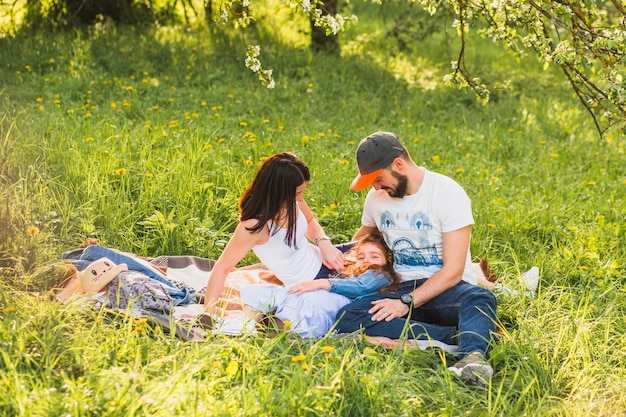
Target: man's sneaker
<point x="473" y="369"/>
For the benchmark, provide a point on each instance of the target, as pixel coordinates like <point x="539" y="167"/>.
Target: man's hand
<point x="388" y="309"/>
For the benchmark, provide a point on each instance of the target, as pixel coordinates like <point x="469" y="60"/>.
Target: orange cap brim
<point x="363" y="180"/>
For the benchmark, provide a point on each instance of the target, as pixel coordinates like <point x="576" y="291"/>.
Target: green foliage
<point x="61" y="13"/>
<point x="151" y="154"/>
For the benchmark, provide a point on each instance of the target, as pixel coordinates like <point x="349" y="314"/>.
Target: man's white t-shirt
<point x="413" y="226"/>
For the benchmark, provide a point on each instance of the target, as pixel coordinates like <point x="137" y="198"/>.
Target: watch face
<point x="406" y="299"/>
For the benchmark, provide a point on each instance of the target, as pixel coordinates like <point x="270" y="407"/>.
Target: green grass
<point x="145" y="139"/>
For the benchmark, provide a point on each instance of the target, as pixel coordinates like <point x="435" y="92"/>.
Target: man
<point x="426" y="220"/>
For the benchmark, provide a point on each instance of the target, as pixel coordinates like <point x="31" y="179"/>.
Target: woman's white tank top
<point x="290" y="265"/>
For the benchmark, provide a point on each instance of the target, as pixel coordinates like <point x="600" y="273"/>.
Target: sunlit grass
<point x="151" y="154"/>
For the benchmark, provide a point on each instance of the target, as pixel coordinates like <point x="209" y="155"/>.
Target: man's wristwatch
<point x="407" y="299"/>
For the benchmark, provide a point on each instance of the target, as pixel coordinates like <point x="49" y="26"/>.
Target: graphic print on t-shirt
<point x="410" y="240"/>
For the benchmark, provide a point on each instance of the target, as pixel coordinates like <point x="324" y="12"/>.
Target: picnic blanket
<point x="168" y="290"/>
<point x="165" y="289"/>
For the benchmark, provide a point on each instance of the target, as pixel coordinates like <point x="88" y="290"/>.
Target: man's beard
<point x="399" y="190"/>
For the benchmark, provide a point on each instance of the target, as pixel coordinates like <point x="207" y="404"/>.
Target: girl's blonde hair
<point x="352" y="269"/>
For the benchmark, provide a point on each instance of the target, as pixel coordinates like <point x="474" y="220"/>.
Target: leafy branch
<point x="587" y="40"/>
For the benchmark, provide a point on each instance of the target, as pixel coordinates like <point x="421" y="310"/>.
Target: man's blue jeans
<point x="464" y="315"/>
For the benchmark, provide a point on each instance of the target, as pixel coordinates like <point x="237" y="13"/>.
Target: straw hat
<point x="98" y="274"/>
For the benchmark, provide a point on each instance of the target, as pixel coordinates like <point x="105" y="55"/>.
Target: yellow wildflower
<point x="298" y="358"/>
<point x="328" y="349"/>
<point x="32" y="230"/>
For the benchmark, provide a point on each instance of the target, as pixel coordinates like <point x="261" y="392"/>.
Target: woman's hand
<point x="331" y="256"/>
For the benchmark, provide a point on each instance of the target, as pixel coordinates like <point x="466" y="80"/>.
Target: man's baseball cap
<point x="375" y="152"/>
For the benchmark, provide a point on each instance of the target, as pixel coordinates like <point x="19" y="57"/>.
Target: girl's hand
<point x="318" y="284"/>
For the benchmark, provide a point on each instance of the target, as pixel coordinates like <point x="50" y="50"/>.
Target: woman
<point x="275" y="223"/>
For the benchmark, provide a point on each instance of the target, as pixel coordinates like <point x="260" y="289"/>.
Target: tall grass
<point x="145" y="139"/>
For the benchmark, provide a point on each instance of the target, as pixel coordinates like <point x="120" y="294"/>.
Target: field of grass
<point x="145" y="139"/>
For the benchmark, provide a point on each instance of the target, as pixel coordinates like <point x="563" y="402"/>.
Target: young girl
<point x="311" y="306"/>
<point x="275" y="223"/>
<point x="372" y="270"/>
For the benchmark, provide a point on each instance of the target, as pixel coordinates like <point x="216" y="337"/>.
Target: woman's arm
<point x="239" y="245"/>
<point x="331" y="256"/>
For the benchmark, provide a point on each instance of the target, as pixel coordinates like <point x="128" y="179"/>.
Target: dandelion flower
<point x="298" y="358"/>
<point x="32" y="230"/>
<point x="328" y="349"/>
<point x="436" y="158"/>
<point x="146" y="399"/>
<point x="121" y="171"/>
<point x="9" y="309"/>
<point x="287" y="324"/>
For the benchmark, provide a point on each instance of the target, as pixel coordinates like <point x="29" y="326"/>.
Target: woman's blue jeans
<point x="464" y="315"/>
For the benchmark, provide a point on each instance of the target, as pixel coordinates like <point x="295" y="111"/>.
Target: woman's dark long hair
<point x="272" y="190"/>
